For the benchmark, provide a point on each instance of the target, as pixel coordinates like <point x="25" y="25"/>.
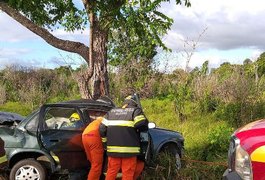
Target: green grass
<point x="201" y="133"/>
<point x="197" y="130"/>
<point x="16" y="107"/>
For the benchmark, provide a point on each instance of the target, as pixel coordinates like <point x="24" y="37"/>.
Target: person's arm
<point x="103" y="132"/>
<point x="140" y="121"/>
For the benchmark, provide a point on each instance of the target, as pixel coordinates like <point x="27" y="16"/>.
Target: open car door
<point x="61" y="140"/>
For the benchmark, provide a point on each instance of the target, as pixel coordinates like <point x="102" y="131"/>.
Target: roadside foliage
<point x="206" y="105"/>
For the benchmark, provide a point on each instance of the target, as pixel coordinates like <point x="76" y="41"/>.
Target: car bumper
<point x="231" y="175"/>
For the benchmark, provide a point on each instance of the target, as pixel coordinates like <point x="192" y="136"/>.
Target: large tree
<point x="110" y="22"/>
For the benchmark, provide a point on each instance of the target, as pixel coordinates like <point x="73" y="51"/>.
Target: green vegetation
<point x="206" y="141"/>
<point x="205" y="106"/>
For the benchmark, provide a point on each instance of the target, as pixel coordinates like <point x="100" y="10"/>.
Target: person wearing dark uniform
<point x="121" y="127"/>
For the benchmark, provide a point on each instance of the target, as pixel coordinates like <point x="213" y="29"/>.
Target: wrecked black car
<point x="40" y="145"/>
<point x="10" y="119"/>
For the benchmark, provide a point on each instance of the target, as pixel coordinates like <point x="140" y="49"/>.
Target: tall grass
<point x="202" y="133"/>
<point x="205" y="140"/>
<point x="16" y="107"/>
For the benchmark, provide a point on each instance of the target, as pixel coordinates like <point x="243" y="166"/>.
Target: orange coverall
<point x="94" y="149"/>
<point x="138" y="170"/>
<point x="128" y="166"/>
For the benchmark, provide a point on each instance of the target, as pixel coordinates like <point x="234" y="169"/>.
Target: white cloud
<point x="231" y="25"/>
<point x="12" y="31"/>
<point x="13" y="52"/>
<point x="5" y="62"/>
<point x="80" y="36"/>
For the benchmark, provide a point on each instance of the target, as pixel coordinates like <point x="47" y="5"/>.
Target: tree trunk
<point x="94" y="82"/>
<point x="99" y="82"/>
<point x="83" y="84"/>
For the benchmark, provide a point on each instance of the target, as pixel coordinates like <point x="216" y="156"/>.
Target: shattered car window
<point x="32" y="124"/>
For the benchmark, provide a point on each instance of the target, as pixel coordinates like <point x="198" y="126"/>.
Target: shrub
<point x="16" y="107"/>
<point x="258" y="111"/>
<point x="230" y="113"/>
<point x="218" y="142"/>
<point x="239" y="114"/>
<point x="2" y="94"/>
<point x="208" y="104"/>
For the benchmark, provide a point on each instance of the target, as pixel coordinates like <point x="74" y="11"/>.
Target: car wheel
<point x="172" y="150"/>
<point x="28" y="169"/>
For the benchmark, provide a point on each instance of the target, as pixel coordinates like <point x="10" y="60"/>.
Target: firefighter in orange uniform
<point x="138" y="170"/>
<point x="121" y="127"/>
<point x="94" y="149"/>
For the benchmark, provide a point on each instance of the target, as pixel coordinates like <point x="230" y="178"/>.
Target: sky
<point x="223" y="31"/>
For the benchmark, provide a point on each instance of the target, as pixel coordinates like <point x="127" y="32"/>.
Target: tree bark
<point x="99" y="80"/>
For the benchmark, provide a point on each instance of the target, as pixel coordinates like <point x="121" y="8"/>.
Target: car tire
<point x="27" y="169"/>
<point x="173" y="151"/>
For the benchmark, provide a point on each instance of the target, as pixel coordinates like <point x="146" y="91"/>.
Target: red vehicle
<point x="246" y="155"/>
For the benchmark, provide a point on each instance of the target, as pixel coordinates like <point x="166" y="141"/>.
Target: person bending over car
<point x="93" y="147"/>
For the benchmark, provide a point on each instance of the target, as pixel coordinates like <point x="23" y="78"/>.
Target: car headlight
<point x="243" y="164"/>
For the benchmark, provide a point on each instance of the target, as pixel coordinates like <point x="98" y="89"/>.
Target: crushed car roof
<point x="9" y="117"/>
<point x="104" y="101"/>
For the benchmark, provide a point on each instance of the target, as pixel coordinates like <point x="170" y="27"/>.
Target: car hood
<point x="8" y="117"/>
<point x="252" y="135"/>
<point x="259" y="124"/>
<point x="160" y="132"/>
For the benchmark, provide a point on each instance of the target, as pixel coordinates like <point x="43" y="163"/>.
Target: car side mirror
<point x="151" y="125"/>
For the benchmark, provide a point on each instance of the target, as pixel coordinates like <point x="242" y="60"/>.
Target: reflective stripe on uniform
<point x="3" y="159"/>
<point x="105" y="122"/>
<point x="119" y="123"/>
<point x="104" y="139"/>
<point x="123" y="149"/>
<point x="139" y="118"/>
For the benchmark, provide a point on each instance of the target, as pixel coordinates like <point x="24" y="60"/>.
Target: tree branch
<point x="70" y="46"/>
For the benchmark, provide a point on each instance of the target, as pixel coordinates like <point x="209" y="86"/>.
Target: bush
<point x="2" y="94"/>
<point x="239" y="114"/>
<point x="16" y="107"/>
<point x="208" y="104"/>
<point x="230" y="113"/>
<point x="257" y="111"/>
<point x="218" y="142"/>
